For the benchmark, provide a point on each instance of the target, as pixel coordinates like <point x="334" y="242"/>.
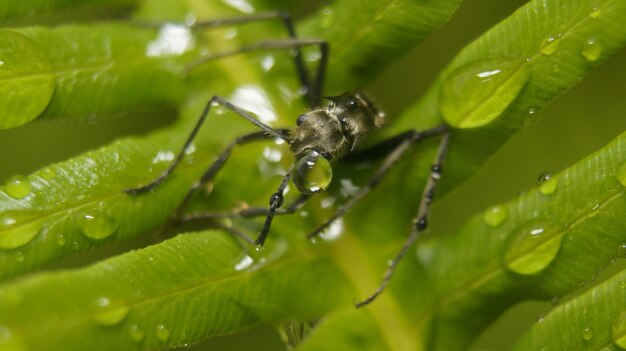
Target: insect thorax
<point x="320" y="132"/>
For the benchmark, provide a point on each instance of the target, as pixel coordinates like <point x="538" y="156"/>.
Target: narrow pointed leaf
<point x="595" y="320"/>
<point x="178" y="292"/>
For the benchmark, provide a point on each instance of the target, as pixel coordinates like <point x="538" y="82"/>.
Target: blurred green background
<point x="581" y="121"/>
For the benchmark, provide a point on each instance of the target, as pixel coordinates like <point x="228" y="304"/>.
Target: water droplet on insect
<point x="162" y="332"/>
<point x="533" y="249"/>
<point x="244" y="263"/>
<point x="136" y="333"/>
<point x="587" y="334"/>
<point x="17" y="187"/>
<point x="478" y="92"/>
<point x="547" y="183"/>
<point x="17" y="234"/>
<point x="621" y="173"/>
<point x="47" y="173"/>
<point x="592" y="49"/>
<point x="550" y="45"/>
<point x="312" y="173"/>
<point x="328" y="18"/>
<point x="619" y="331"/>
<point x="621" y="250"/>
<point x="495" y="216"/>
<point x="97" y="225"/>
<point x="111" y="317"/>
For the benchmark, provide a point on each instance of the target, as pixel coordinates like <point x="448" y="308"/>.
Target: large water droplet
<point x="621" y="173"/>
<point x="312" y="173"/>
<point x="15" y="233"/>
<point x="533" y="249"/>
<point x="550" y="45"/>
<point x="587" y="333"/>
<point x="47" y="173"/>
<point x="136" y="333"/>
<point x="17" y="187"/>
<point x="478" y="92"/>
<point x="162" y="333"/>
<point x="591" y="49"/>
<point x="547" y="183"/>
<point x="97" y="225"/>
<point x="619" y="331"/>
<point x="111" y="316"/>
<point x="495" y="216"/>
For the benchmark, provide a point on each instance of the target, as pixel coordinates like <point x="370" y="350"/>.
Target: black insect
<point x="322" y="136"/>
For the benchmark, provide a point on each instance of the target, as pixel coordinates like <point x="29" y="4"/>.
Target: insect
<point x="323" y="136"/>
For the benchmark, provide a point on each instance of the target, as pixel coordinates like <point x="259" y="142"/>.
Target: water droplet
<point x="619" y="331"/>
<point x="17" y="187"/>
<point x="592" y="49"/>
<point x="547" y="183"/>
<point x="162" y="332"/>
<point x="495" y="216"/>
<point x="595" y="13"/>
<point x="97" y="225"/>
<point x="47" y="173"/>
<point x="16" y="232"/>
<point x="20" y="257"/>
<point x="244" y="263"/>
<point x="136" y="333"/>
<point x="587" y="333"/>
<point x="533" y="249"/>
<point x="478" y="92"/>
<point x="61" y="240"/>
<point x="312" y="173"/>
<point x="622" y="284"/>
<point x="550" y="45"/>
<point x="328" y="18"/>
<point x="112" y="316"/>
<point x="621" y="173"/>
<point x="621" y="251"/>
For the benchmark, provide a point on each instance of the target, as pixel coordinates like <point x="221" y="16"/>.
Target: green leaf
<point x="180" y="291"/>
<point x="366" y="36"/>
<point x="595" y="320"/>
<point x="90" y="71"/>
<point x="547" y="41"/>
<point x="33" y="11"/>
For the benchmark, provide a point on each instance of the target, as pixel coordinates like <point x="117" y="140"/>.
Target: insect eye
<point x="331" y="104"/>
<point x="352" y="105"/>
<point x="300" y="119"/>
<point x="312" y="173"/>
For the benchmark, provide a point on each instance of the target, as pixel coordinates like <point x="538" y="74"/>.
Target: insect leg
<point x="296" y="205"/>
<point x="313" y="90"/>
<point x="215" y="100"/>
<point x="419" y="223"/>
<point x="276" y="200"/>
<point x="399" y="145"/>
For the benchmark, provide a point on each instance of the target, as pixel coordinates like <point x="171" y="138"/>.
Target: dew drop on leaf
<point x="621" y="173"/>
<point x="478" y="92"/>
<point x="495" y="216"/>
<point x="587" y="333"/>
<point x="591" y="49"/>
<point x="533" y="249"/>
<point x="547" y="183"/>
<point x="162" y="333"/>
<point x="136" y="333"/>
<point x="96" y="225"/>
<point x="28" y="81"/>
<point x="111" y="316"/>
<point x="16" y="230"/>
<point x="549" y="45"/>
<point x="47" y="173"/>
<point x="17" y="187"/>
<point x="621" y="250"/>
<point x="20" y="257"/>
